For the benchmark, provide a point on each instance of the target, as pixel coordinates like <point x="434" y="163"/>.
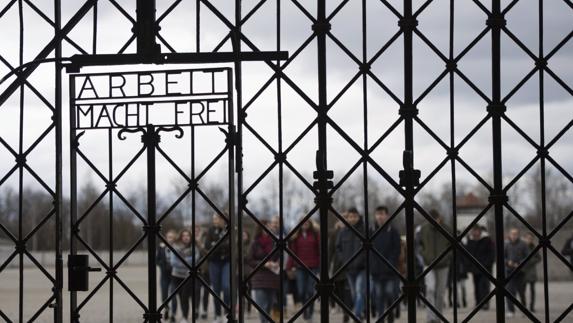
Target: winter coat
<point x="306" y="246"/>
<point x="516" y="252"/>
<point x="221" y="252"/>
<point x="178" y="268"/>
<point x="433" y="244"/>
<point x="335" y="263"/>
<point x="163" y="260"/>
<point x="483" y="250"/>
<point x="347" y="244"/>
<point x="530" y="267"/>
<point x="387" y="244"/>
<point x="261" y="247"/>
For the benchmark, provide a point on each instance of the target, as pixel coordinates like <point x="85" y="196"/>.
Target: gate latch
<point x="78" y="273"/>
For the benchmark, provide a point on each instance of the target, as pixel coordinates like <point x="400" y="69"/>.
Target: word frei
<point x="162" y="98"/>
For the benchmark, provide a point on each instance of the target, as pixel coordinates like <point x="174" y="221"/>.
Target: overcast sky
<point x="179" y="30"/>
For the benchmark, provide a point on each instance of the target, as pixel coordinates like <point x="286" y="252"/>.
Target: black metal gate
<point x="265" y="83"/>
<point x="109" y="118"/>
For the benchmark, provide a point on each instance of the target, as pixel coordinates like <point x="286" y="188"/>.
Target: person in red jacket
<point x="305" y="244"/>
<point x="265" y="282"/>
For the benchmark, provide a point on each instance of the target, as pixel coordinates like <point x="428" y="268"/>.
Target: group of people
<point x="353" y="271"/>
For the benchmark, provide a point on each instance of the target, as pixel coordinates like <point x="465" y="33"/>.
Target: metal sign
<point x="162" y="98"/>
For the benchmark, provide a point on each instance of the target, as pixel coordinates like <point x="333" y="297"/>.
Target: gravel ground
<point x="37" y="292"/>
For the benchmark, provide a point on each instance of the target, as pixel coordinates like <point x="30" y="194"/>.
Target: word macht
<point x="162" y="98"/>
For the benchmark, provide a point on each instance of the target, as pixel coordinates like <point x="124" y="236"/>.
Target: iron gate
<point x="403" y="113"/>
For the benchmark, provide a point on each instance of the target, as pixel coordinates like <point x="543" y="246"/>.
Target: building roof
<point x="470" y="201"/>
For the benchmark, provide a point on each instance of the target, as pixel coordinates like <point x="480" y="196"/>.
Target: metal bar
<point x="74" y="315"/>
<point x="241" y="196"/>
<point x="321" y="28"/>
<point x="235" y="236"/>
<point x="146" y="29"/>
<point x="58" y="203"/>
<point x="497" y="195"/>
<point x="79" y="61"/>
<point x="408" y="113"/>
<point x="150" y="139"/>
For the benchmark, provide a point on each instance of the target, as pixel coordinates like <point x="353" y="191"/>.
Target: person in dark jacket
<point x="265" y="282"/>
<point x="515" y="252"/>
<point x="384" y="279"/>
<point x="219" y="264"/>
<point x="432" y="244"/>
<point x="482" y="248"/>
<point x="305" y="244"/>
<point x="187" y="255"/>
<point x="530" y="269"/>
<point x="341" y="289"/>
<point x="163" y="261"/>
<point x="461" y="276"/>
<point x="347" y="245"/>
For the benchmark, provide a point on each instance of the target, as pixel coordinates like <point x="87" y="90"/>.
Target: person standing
<point x="515" y="252"/>
<point x="163" y="261"/>
<point x="180" y="263"/>
<point x="432" y="244"/>
<point x="341" y="288"/>
<point x="265" y="282"/>
<point x="348" y="243"/>
<point x="219" y="265"/>
<point x="530" y="269"/>
<point x="482" y="248"/>
<point x="384" y="279"/>
<point x="305" y="244"/>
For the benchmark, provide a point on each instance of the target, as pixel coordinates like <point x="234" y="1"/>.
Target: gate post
<point x="150" y="139"/>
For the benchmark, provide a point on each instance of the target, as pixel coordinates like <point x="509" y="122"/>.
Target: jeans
<point x="516" y="286"/>
<point x="219" y="276"/>
<point x="185" y="293"/>
<point x="264" y="297"/>
<point x="481" y="288"/>
<point x="357" y="284"/>
<point x="164" y="282"/>
<point x="384" y="292"/>
<point x="305" y="289"/>
<point x="436" y="283"/>
<point x="182" y="293"/>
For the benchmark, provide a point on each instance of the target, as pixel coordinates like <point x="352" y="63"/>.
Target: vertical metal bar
<point x="74" y="316"/>
<point x="453" y="160"/>
<point x="282" y="294"/>
<point x="365" y="162"/>
<point x="236" y="34"/>
<point x="408" y="108"/>
<point x="194" y="280"/>
<point x="198" y="25"/>
<point x="234" y="235"/>
<point x="542" y="164"/>
<point x="151" y="142"/>
<point x="146" y="28"/>
<point x="497" y="199"/>
<point x="110" y="227"/>
<point x="21" y="168"/>
<point x="58" y="203"/>
<point x="323" y="198"/>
